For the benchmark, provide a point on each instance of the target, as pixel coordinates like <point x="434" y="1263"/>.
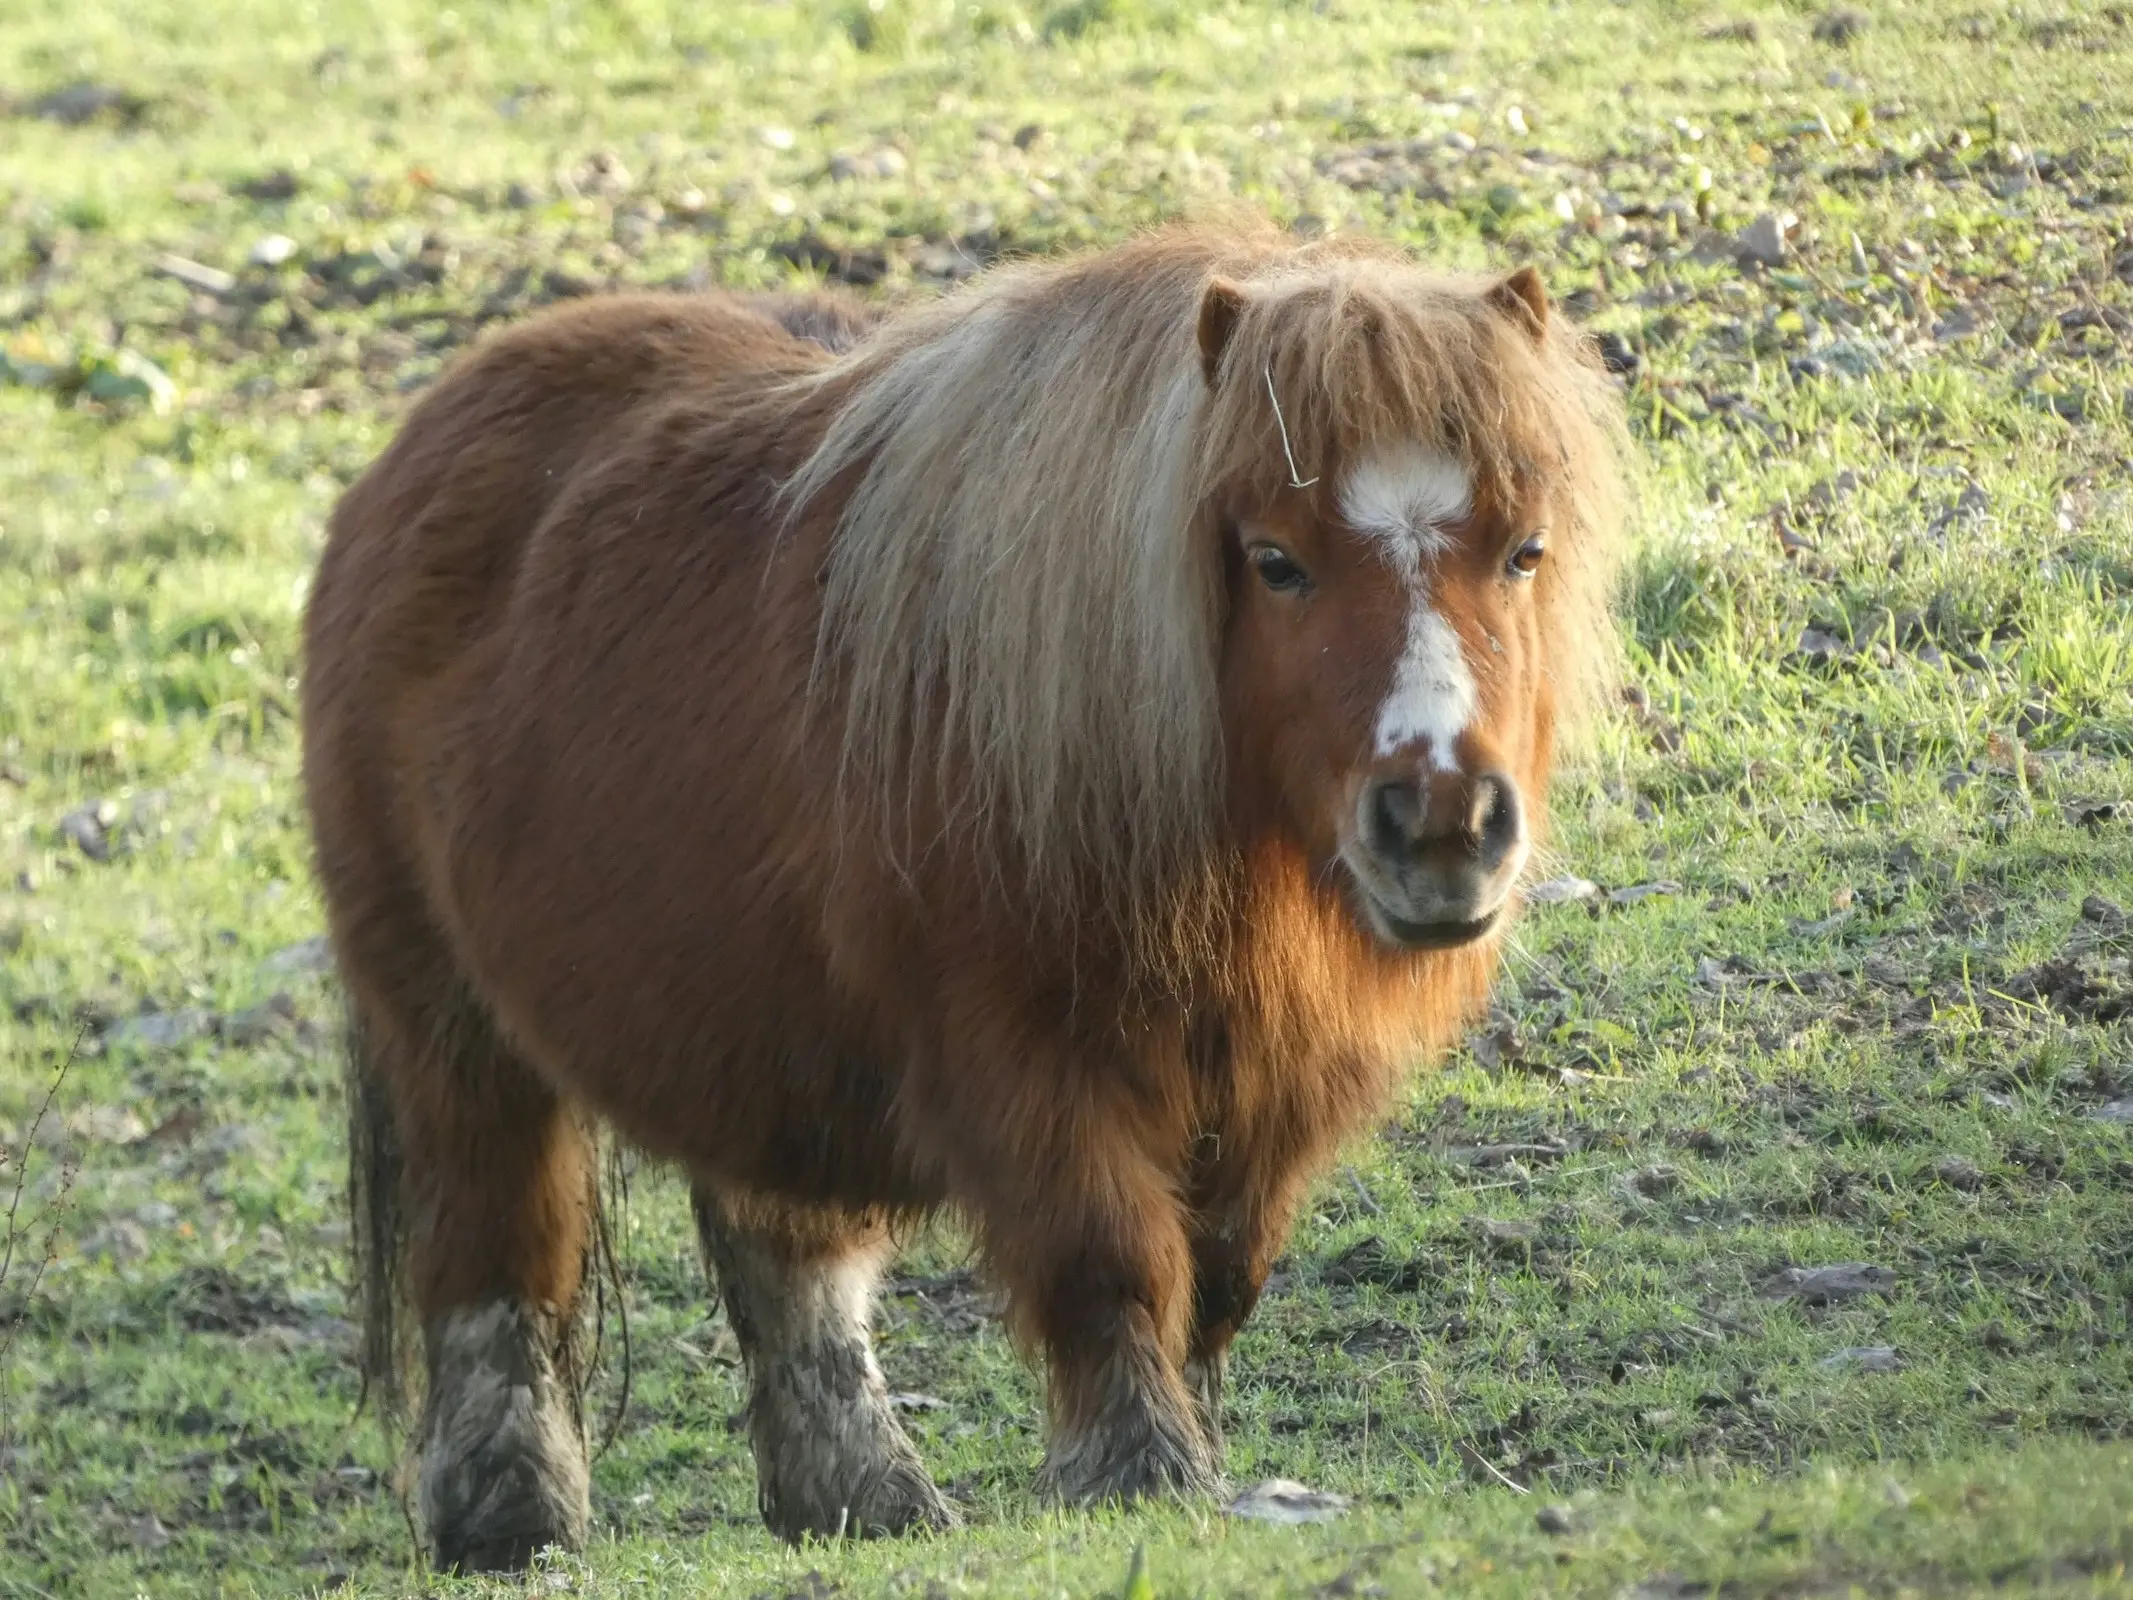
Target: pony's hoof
<point x="843" y="1499"/>
<point x="489" y="1552"/>
<point x="908" y="1502"/>
<point x="509" y="1511"/>
<point x="1096" y="1470"/>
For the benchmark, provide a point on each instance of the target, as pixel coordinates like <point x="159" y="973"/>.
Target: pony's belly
<point x="753" y="1073"/>
<point x="822" y="1132"/>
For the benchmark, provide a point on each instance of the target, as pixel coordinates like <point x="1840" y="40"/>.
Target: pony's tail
<point x="377" y="1233"/>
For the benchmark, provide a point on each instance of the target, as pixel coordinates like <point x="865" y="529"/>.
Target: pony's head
<point x="1211" y="543"/>
<point x="1410" y="485"/>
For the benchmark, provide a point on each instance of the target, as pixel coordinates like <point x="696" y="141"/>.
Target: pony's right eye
<point x="1526" y="559"/>
<point x="1278" y="570"/>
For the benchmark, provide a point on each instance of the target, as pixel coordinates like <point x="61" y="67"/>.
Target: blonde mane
<point x="1022" y="596"/>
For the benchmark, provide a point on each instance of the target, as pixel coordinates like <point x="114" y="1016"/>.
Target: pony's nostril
<point x="1485" y="808"/>
<point x="1493" y="822"/>
<point x="1397" y="814"/>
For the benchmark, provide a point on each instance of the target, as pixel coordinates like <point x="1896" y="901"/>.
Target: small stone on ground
<point x="1283" y="1501"/>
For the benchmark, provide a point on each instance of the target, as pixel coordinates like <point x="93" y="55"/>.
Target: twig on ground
<point x="17" y="1230"/>
<point x="1474" y="1458"/>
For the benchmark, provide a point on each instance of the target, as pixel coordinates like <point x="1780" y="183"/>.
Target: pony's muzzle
<point x="1438" y="852"/>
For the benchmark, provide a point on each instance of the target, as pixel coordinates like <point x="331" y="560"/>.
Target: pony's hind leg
<point x="494" y="1175"/>
<point x="830" y="1457"/>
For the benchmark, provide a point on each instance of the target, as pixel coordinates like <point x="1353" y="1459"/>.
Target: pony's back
<point x="428" y="533"/>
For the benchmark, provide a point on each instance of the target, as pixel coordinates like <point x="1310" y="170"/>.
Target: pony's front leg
<point x="1088" y="1234"/>
<point x="1248" y="1173"/>
<point x="1233" y="1250"/>
<point x="830" y="1458"/>
<point x="1108" y="1297"/>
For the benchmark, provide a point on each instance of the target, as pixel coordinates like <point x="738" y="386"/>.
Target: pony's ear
<point x="1220" y="307"/>
<point x="1521" y="298"/>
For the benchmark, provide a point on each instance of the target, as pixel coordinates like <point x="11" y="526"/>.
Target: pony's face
<point x="1384" y="694"/>
<point x="1386" y="697"/>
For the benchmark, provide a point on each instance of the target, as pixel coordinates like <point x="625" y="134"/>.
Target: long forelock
<point x="1384" y="369"/>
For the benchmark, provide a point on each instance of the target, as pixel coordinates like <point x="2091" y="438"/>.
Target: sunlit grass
<point x="1878" y="616"/>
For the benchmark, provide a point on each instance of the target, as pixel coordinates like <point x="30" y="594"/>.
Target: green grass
<point x="1881" y="619"/>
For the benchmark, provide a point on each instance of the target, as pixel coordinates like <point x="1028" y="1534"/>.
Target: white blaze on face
<point x="1403" y="499"/>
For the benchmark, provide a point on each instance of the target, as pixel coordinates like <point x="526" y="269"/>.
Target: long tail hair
<point x="377" y="1232"/>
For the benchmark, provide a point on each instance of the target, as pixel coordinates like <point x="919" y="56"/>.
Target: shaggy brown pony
<point x="1055" y="755"/>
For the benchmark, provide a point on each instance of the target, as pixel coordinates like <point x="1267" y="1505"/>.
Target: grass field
<point x="1850" y="985"/>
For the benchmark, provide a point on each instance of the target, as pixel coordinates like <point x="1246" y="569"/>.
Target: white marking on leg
<point x="848" y="1295"/>
<point x="850" y="1285"/>
<point x="1402" y="499"/>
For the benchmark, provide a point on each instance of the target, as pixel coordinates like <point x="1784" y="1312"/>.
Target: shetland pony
<point x="1054" y="756"/>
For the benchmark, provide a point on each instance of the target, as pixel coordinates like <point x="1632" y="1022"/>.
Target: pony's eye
<point x="1277" y="571"/>
<point x="1526" y="559"/>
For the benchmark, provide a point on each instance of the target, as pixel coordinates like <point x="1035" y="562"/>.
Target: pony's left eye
<point x="1526" y="559"/>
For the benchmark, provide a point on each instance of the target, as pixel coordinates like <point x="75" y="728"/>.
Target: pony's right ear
<point x="1220" y="307"/>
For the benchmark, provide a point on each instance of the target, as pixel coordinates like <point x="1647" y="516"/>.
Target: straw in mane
<point x="1053" y="756"/>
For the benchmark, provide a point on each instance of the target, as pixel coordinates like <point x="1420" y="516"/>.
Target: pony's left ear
<point x="1521" y="298"/>
<point x="1221" y="305"/>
